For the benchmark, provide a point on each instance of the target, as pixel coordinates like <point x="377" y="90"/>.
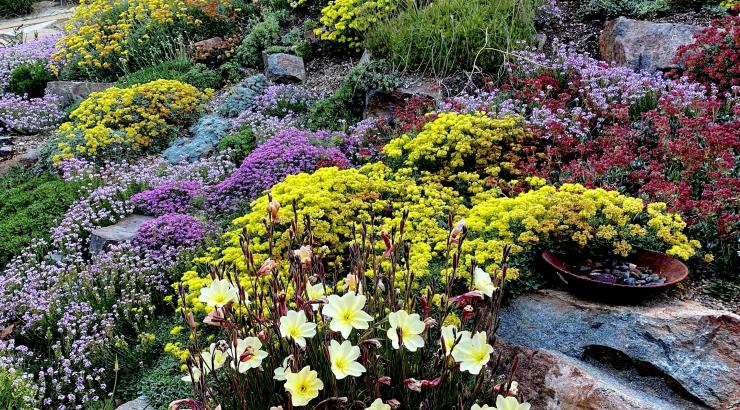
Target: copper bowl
<point x="671" y="269"/>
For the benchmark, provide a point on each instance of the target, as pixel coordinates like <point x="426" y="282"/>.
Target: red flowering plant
<point x="714" y="56"/>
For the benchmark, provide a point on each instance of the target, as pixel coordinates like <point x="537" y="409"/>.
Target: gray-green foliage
<point x="264" y="33"/>
<point x="161" y="383"/>
<point x="242" y="95"/>
<point x="449" y="35"/>
<point x="639" y="8"/>
<point x="180" y="69"/>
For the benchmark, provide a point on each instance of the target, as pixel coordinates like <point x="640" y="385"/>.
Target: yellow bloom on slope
<point x="409" y="326"/>
<point x="510" y="403"/>
<point x="249" y="354"/>
<point x="482" y="282"/>
<point x="294" y="325"/>
<point x="473" y="353"/>
<point x="214" y="358"/>
<point x="378" y="405"/>
<point x="450" y="334"/>
<point x="346" y="313"/>
<point x="344" y="359"/>
<point x="219" y="293"/>
<point x="303" y="386"/>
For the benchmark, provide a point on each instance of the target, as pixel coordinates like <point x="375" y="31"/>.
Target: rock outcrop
<point x="284" y="68"/>
<point x="123" y="231"/>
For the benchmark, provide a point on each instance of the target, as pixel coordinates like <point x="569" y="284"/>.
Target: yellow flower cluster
<point x="100" y="30"/>
<point x="464" y="149"/>
<point x="574" y="218"/>
<point x="345" y="21"/>
<point x="729" y="4"/>
<point x="335" y="200"/>
<point x="130" y="119"/>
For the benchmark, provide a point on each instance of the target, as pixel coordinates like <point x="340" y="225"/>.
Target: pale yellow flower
<point x="483" y="407"/>
<point x="409" y="326"/>
<point x="344" y="359"/>
<point x="315" y="292"/>
<point x="450" y="334"/>
<point x="249" y="354"/>
<point x="378" y="405"/>
<point x="294" y="325"/>
<point x="280" y="372"/>
<point x="303" y="386"/>
<point x="214" y="358"/>
<point x="510" y="403"/>
<point x="473" y="353"/>
<point x="346" y="313"/>
<point x="482" y="282"/>
<point x="196" y="375"/>
<point x="219" y="293"/>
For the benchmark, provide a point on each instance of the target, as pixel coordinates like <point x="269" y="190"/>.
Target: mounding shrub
<point x="122" y="122"/>
<point x="29" y="79"/>
<point x="449" y="35"/>
<point x="196" y="74"/>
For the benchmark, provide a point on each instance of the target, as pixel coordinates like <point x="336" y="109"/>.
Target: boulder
<point x="644" y="45"/>
<point x="205" y="134"/>
<point x="209" y="45"/>
<point x="72" y="92"/>
<point x="284" y="68"/>
<point x="694" y="349"/>
<point x="123" y="231"/>
<point x="31" y="156"/>
<point x="552" y="380"/>
<point x="139" y="403"/>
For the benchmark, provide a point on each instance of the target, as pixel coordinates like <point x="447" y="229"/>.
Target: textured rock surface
<point x="137" y="404"/>
<point x="284" y="68"/>
<point x="381" y="104"/>
<point x="643" y="45"/>
<point x="73" y="92"/>
<point x="123" y="231"/>
<point x="695" y="348"/>
<point x="204" y="136"/>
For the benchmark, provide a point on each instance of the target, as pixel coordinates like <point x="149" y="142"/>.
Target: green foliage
<point x="240" y="144"/>
<point x="161" y="383"/>
<point x="12" y="8"/>
<point x="263" y="34"/>
<point x="30" y="78"/>
<point x="454" y="34"/>
<point x="179" y="69"/>
<point x="646" y="103"/>
<point x="344" y="107"/>
<point x="724" y="289"/>
<point x="14" y="388"/>
<point x="30" y="206"/>
<point x="639" y="8"/>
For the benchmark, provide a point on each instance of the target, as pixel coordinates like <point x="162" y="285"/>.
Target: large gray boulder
<point x="72" y="92"/>
<point x="694" y="348"/>
<point x="284" y="68"/>
<point x="124" y="231"/>
<point x="644" y="45"/>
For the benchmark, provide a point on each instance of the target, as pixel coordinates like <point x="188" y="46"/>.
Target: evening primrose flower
<point x="378" y="405"/>
<point x="214" y="358"/>
<point x="249" y="353"/>
<point x="473" y="353"/>
<point x="509" y="403"/>
<point x="409" y="326"/>
<point x="483" y="407"/>
<point x="344" y="359"/>
<point x="280" y="372"/>
<point x="195" y="375"/>
<point x="346" y="313"/>
<point x="303" y="386"/>
<point x="219" y="293"/>
<point x="482" y="282"/>
<point x="294" y="325"/>
<point x="450" y="334"/>
<point x="315" y="292"/>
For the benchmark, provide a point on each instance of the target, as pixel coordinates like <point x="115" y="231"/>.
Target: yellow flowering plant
<point x="370" y="344"/>
<point x="346" y="21"/>
<point x="107" y="38"/>
<point x="472" y="152"/>
<point x="127" y="121"/>
<point x="573" y="219"/>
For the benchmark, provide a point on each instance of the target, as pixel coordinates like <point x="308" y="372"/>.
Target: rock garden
<point x="350" y="204"/>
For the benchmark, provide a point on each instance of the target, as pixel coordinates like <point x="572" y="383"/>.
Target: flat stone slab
<point x="696" y="347"/>
<point x="123" y="231"/>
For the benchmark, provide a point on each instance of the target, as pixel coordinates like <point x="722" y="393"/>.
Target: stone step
<point x="6" y="150"/>
<point x="123" y="231"/>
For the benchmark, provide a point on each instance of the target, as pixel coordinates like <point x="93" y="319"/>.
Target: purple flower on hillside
<point x="29" y="52"/>
<point x="170" y="231"/>
<point x="29" y="115"/>
<point x="289" y="152"/>
<point x="170" y="197"/>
